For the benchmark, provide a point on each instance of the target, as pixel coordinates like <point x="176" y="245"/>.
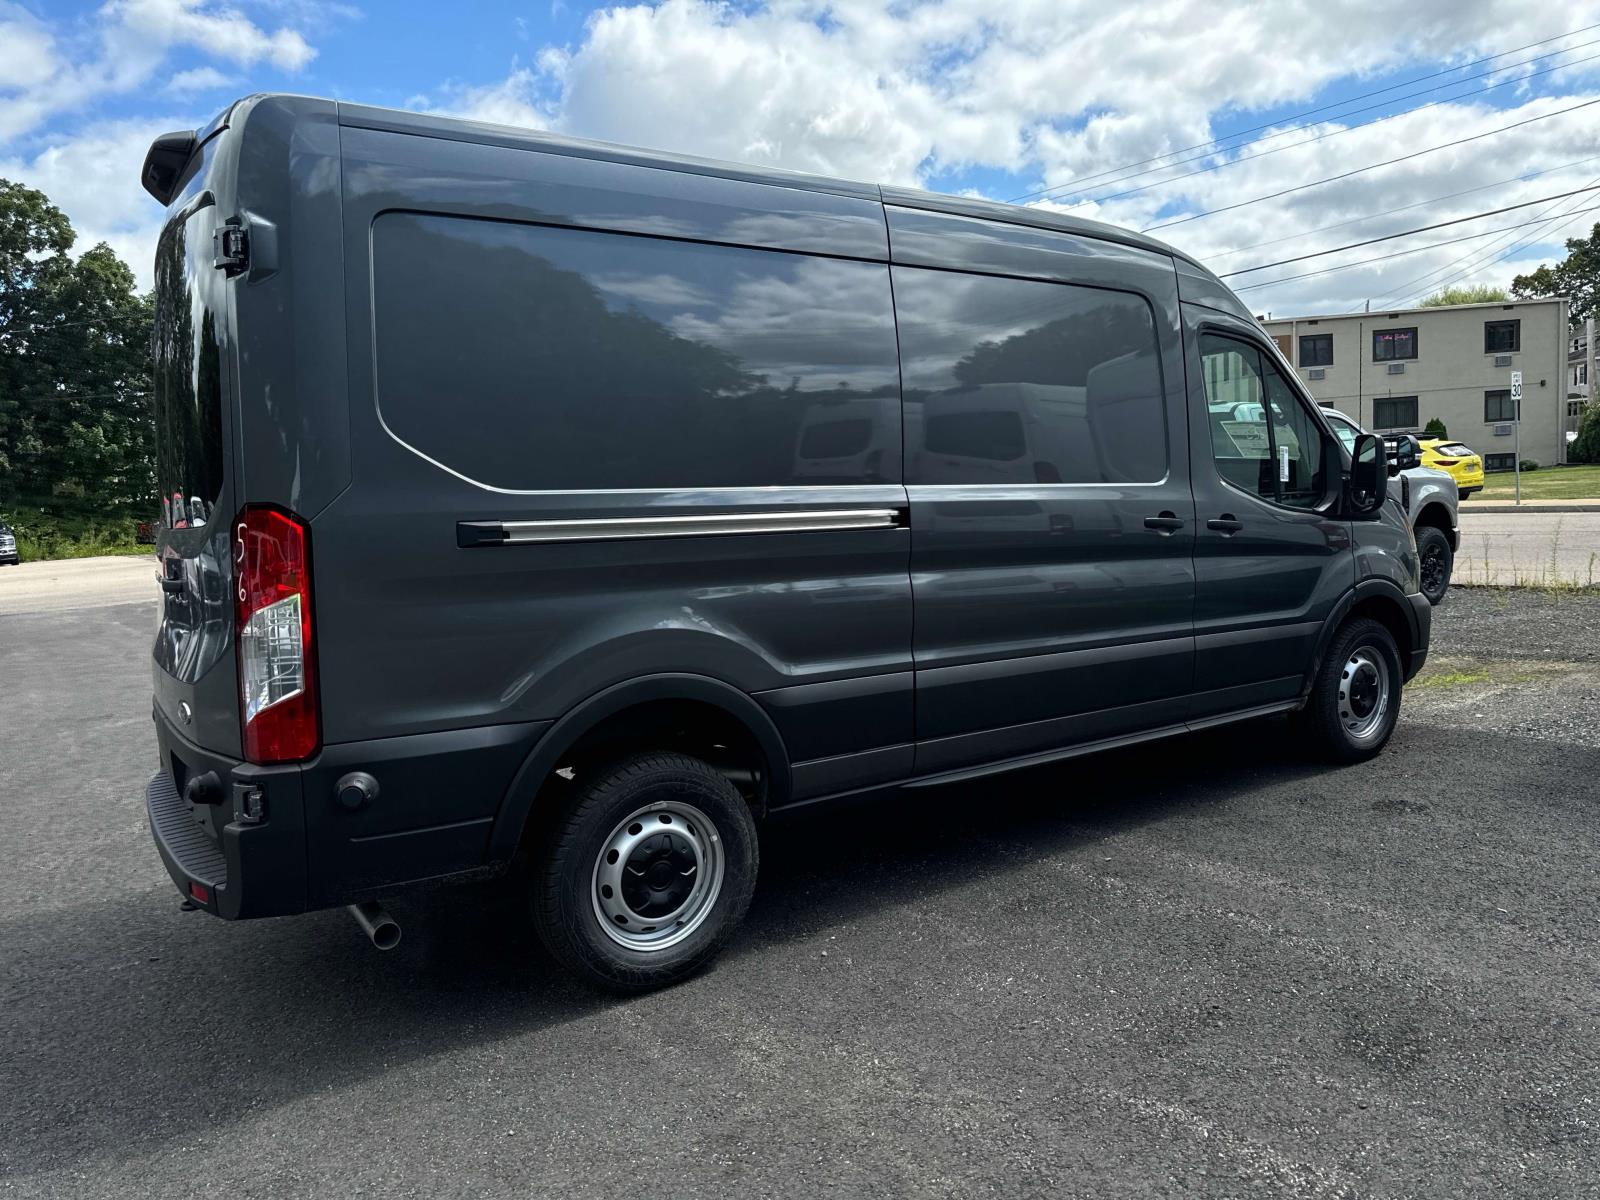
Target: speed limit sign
<point x="1516" y="387"/>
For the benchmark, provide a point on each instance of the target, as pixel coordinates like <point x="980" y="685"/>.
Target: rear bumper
<point x="1421" y="632"/>
<point x="437" y="797"/>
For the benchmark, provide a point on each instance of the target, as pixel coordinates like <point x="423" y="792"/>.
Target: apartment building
<point x="1398" y="370"/>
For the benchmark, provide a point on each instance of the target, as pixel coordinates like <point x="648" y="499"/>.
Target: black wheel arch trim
<point x="520" y="796"/>
<point x="1368" y="589"/>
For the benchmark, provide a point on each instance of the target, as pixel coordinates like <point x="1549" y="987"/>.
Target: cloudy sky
<point x="1143" y="114"/>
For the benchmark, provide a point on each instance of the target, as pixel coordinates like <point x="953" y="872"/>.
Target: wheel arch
<point x="1379" y="599"/>
<point x="1436" y="514"/>
<point x="644" y="702"/>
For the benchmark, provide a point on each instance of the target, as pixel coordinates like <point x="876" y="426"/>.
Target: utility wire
<point x="1310" y="112"/>
<point x="1403" y="208"/>
<point x="1389" y="237"/>
<point x="1388" y="162"/>
<point x="1472" y="258"/>
<point x="1331" y="133"/>
<point x="1367" y="262"/>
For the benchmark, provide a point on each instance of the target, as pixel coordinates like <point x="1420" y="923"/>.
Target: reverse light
<point x="272" y="608"/>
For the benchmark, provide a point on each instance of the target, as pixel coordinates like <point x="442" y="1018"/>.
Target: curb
<point x="1468" y="509"/>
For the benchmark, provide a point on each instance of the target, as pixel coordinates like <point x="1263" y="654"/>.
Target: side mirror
<point x="1368" y="485"/>
<point x="1405" y="452"/>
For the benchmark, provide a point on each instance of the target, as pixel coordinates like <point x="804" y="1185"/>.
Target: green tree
<point x="1576" y="277"/>
<point x="75" y="413"/>
<point x="1587" y="447"/>
<point x="1436" y="428"/>
<point x="1477" y="293"/>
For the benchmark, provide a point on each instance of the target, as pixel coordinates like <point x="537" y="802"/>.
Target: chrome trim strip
<point x="595" y="529"/>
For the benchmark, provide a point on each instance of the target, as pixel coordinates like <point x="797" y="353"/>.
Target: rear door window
<point x="534" y="358"/>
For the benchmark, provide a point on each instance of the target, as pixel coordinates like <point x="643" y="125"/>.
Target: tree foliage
<point x="1587" y="447"/>
<point x="75" y="412"/>
<point x="1476" y="293"/>
<point x="1436" y="428"/>
<point x="1577" y="277"/>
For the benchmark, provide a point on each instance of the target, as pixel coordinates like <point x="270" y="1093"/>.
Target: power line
<point x="1367" y="262"/>
<point x="1332" y="133"/>
<point x="1389" y="237"/>
<point x="1402" y="208"/>
<point x="1553" y="224"/>
<point x="1389" y="162"/>
<point x="1438" y="274"/>
<point x="1310" y="112"/>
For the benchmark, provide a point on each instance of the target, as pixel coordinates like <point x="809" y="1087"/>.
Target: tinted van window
<point x="1019" y="381"/>
<point x="534" y="358"/>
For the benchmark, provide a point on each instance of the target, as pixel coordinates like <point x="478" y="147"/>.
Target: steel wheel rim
<point x="1364" y="693"/>
<point x="1433" y="570"/>
<point x="657" y="876"/>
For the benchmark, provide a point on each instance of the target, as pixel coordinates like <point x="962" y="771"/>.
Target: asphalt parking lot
<point x="1202" y="969"/>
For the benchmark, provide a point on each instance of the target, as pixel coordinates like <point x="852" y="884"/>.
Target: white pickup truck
<point x="1428" y="496"/>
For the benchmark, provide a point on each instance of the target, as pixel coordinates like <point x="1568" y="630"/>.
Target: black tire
<point x="1433" y="548"/>
<point x="1326" y="721"/>
<point x="565" y="897"/>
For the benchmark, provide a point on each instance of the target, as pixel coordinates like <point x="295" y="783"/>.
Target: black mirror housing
<point x="1367" y="486"/>
<point x="1405" y="452"/>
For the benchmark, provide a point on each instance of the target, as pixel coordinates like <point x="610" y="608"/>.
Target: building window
<point x="1497" y="406"/>
<point x="1583" y="372"/>
<point x="1391" y="344"/>
<point x="1575" y="408"/>
<point x="1502" y="337"/>
<point x="1395" y="412"/>
<point x="1316" y="350"/>
<point x="1499" y="462"/>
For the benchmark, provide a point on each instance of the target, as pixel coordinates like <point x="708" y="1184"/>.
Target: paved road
<point x="1511" y="548"/>
<point x="1204" y="969"/>
<point x="77" y="583"/>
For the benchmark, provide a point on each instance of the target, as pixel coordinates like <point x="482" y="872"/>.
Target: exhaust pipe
<point x="381" y="929"/>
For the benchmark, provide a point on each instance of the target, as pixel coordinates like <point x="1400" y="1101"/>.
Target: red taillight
<point x="200" y="892"/>
<point x="1445" y="462"/>
<point x="272" y="608"/>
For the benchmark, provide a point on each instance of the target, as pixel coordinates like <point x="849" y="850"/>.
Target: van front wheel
<point x="647" y="872"/>
<point x="1355" y="699"/>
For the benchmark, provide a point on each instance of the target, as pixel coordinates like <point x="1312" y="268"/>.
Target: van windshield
<point x="188" y="369"/>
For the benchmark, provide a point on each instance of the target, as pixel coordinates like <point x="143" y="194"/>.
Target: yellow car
<point x="1455" y="460"/>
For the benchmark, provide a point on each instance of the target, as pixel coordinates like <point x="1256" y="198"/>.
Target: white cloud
<point x="201" y="79"/>
<point x="1063" y="90"/>
<point x="128" y="42"/>
<point x="94" y="179"/>
<point x="27" y="50"/>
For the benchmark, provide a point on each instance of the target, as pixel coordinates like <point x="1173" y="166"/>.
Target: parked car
<point x="585" y="505"/>
<point x="1427" y="495"/>
<point x="1455" y="459"/>
<point x="8" y="545"/>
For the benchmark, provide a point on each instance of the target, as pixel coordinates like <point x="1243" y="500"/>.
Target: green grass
<point x="64" y="528"/>
<point x="1547" y="483"/>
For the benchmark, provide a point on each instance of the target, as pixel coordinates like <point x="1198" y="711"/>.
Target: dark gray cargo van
<point x="535" y="500"/>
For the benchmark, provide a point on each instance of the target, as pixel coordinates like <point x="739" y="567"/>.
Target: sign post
<point x="1516" y="427"/>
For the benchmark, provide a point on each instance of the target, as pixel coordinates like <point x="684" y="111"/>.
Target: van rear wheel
<point x="1355" y="699"/>
<point x="647" y="873"/>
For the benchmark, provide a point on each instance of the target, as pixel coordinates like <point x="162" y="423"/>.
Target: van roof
<point x="399" y="121"/>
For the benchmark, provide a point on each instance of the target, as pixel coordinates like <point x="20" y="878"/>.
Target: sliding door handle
<point x="1226" y="524"/>
<point x="1166" y="523"/>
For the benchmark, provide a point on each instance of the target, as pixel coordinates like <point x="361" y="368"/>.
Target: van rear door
<point x="194" y="672"/>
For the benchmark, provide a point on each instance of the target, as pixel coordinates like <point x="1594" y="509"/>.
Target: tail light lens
<point x="272" y="606"/>
<point x="1445" y="462"/>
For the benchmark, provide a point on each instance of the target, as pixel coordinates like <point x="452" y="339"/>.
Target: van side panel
<point x="1045" y="419"/>
<point x="682" y="307"/>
